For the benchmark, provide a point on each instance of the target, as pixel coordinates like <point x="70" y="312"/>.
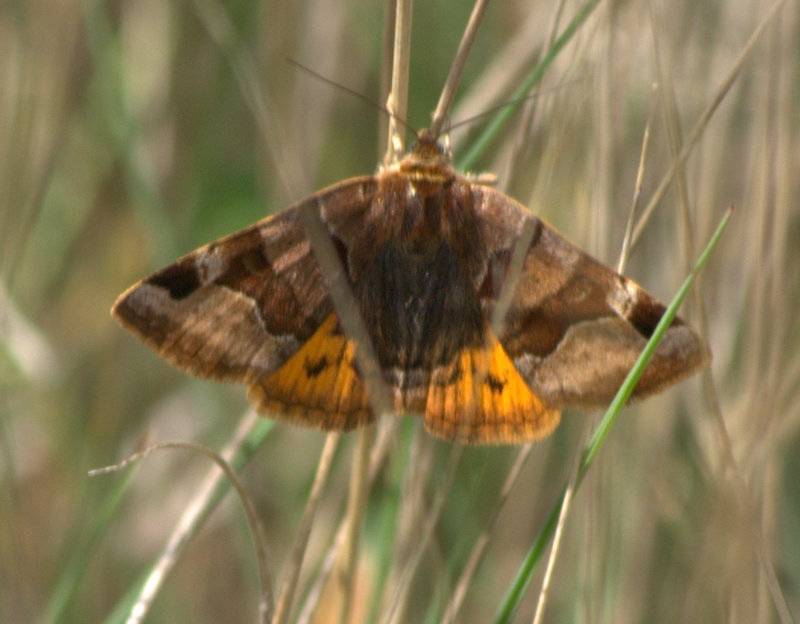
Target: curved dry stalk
<point x="194" y="515"/>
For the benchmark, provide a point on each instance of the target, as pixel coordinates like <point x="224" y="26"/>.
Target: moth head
<point x="428" y="148"/>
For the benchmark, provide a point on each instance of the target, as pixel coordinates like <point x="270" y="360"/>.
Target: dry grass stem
<point x="624" y="253"/>
<point x="697" y="130"/>
<point x="401" y="61"/>
<point x="426" y="517"/>
<point x="190" y="521"/>
<point x="674" y="136"/>
<point x="387" y="61"/>
<point x="450" y="88"/>
<point x="467" y="574"/>
<point x="554" y="549"/>
<point x="379" y="452"/>
<point x="295" y="563"/>
<point x="522" y="141"/>
<point x="356" y="506"/>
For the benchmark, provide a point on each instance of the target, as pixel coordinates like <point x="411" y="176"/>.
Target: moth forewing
<point x="427" y="255"/>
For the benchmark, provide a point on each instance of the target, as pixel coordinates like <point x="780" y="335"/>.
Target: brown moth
<point x="426" y="253"/>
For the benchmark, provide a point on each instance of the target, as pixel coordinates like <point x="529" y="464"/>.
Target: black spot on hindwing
<point x="495" y="385"/>
<point x="314" y="368"/>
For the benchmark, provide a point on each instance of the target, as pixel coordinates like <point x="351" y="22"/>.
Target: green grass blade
<point x="631" y="380"/>
<point x="524" y="575"/>
<point x="470" y="158"/>
<point x="75" y="569"/>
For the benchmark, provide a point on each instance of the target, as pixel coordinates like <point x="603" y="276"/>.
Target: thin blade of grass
<point x="468" y="160"/>
<point x="356" y="507"/>
<point x="457" y="66"/>
<point x="254" y="523"/>
<point x="248" y="437"/>
<point x="75" y="569"/>
<point x="558" y="532"/>
<point x="460" y="588"/>
<point x="628" y="386"/>
<point x="524" y="575"/>
<point x="697" y="131"/>
<point x="401" y="591"/>
<point x="293" y="567"/>
<point x="379" y="452"/>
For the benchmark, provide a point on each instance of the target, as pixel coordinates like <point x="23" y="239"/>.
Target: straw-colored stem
<point x="357" y="502"/>
<point x="292" y="572"/>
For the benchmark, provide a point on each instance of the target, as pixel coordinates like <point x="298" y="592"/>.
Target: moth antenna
<point x="490" y="111"/>
<point x="357" y="94"/>
<point x="514" y="102"/>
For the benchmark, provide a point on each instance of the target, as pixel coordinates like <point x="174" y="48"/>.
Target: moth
<point x="426" y="253"/>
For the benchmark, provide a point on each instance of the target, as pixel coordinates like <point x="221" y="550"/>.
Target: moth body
<point x="428" y="254"/>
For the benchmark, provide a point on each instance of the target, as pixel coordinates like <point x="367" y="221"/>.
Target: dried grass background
<point x="127" y="137"/>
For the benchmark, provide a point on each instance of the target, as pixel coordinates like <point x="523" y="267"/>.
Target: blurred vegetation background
<point x="128" y="137"/>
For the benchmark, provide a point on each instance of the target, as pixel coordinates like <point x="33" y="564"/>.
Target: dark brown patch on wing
<point x="240" y="306"/>
<point x="180" y="279"/>
<point x="496" y="270"/>
<point x="646" y="313"/>
<point x="575" y="327"/>
<point x="540" y="329"/>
